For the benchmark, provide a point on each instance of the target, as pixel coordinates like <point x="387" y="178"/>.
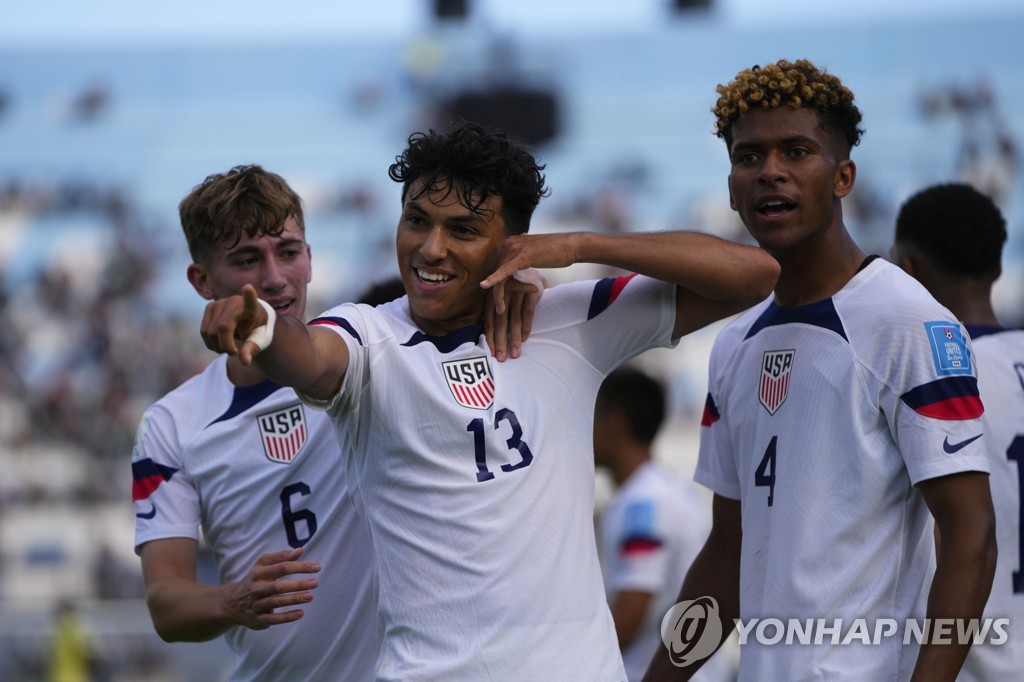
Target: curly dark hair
<point x="641" y="398"/>
<point x="475" y="163"/>
<point x="246" y="199"/>
<point x="960" y="229"/>
<point x="793" y="84"/>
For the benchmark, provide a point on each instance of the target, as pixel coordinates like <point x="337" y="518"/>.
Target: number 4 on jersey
<point x="764" y="476"/>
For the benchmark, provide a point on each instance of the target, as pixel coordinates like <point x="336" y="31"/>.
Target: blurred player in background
<point x="654" y="524"/>
<point x="241" y="457"/>
<point x="477" y="478"/>
<point x="840" y="412"/>
<point x="950" y="238"/>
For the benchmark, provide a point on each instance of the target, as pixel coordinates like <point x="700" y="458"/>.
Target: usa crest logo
<point x="283" y="432"/>
<point x="775" y="372"/>
<point x="470" y="382"/>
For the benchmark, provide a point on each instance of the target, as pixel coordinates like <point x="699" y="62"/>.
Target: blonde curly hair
<point x="798" y="84"/>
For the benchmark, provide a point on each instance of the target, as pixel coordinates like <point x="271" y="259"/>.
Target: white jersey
<point x="820" y="419"/>
<point x="477" y="481"/>
<point x="1000" y="354"/>
<point x="651" y="531"/>
<point x="261" y="473"/>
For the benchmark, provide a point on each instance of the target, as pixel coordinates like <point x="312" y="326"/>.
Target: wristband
<point x="264" y="334"/>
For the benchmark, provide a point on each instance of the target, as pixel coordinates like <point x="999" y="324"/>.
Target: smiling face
<point x="278" y="267"/>
<point x="444" y="251"/>
<point x="787" y="179"/>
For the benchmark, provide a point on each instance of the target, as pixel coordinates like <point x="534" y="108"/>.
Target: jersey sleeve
<point x="611" y="320"/>
<point x="166" y="502"/>
<point x="716" y="461"/>
<point x="932" y="399"/>
<point x="347" y="322"/>
<point x="644" y="556"/>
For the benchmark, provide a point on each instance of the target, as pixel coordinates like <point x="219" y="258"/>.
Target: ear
<point x="899" y="255"/>
<point x="732" y="202"/>
<point x="309" y="258"/>
<point x="615" y="419"/>
<point x="908" y="265"/>
<point x="200" y="281"/>
<point x="845" y="177"/>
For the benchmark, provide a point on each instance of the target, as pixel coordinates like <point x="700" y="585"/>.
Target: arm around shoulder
<point x="715" y="277"/>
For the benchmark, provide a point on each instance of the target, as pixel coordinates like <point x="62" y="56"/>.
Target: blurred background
<point x="110" y="112"/>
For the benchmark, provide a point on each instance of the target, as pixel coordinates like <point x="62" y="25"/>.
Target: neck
<point x="968" y="299"/>
<point x="628" y="461"/>
<point x="817" y="270"/>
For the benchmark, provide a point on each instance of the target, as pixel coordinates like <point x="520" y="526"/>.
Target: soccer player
<point x="950" y="238"/>
<point x="654" y="524"/>
<point x="240" y="456"/>
<point x="839" y="413"/>
<point x="477" y="478"/>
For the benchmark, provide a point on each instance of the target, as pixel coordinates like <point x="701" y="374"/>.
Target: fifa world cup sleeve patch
<point x="949" y="348"/>
<point x="640" y="536"/>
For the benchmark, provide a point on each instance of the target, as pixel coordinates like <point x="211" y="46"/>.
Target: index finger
<point x="250" y="302"/>
<point x="504" y="271"/>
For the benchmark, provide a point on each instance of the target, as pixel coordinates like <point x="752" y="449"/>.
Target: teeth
<point x="433" y="276"/>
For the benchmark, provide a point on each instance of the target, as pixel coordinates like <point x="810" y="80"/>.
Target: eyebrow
<point x="468" y="217"/>
<point x="248" y="249"/>
<point x="786" y="141"/>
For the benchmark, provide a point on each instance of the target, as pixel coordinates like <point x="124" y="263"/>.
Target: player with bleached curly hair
<point x="842" y="415"/>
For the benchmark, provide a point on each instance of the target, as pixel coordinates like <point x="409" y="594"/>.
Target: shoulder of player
<point x="368" y="324"/>
<point x="577" y="301"/>
<point x="652" y="482"/>
<point x="180" y="402"/>
<point x="890" y="305"/>
<point x="884" y="292"/>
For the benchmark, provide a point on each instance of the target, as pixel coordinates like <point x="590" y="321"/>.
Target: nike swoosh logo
<point x="953" y="447"/>
<point x="148" y="515"/>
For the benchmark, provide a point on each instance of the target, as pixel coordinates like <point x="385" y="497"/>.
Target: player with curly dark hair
<point x="842" y="415"/>
<point x="475" y="165"/>
<point x="957" y="228"/>
<point x="950" y="237"/>
<point x="476" y="478"/>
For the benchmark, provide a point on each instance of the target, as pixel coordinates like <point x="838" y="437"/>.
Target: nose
<point x="273" y="275"/>
<point x="772" y="168"/>
<point x="435" y="245"/>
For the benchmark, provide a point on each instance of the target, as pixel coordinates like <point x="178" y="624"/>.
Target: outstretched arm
<point x="966" y="525"/>
<point x="311" y="360"/>
<point x="714" y="573"/>
<point x="716" y="277"/>
<point x="185" y="610"/>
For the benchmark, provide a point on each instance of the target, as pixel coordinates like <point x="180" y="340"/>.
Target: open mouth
<point x="776" y="207"/>
<point x="281" y="306"/>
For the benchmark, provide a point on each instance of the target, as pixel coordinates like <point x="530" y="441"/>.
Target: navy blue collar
<point x="978" y="330"/>
<point x="245" y="397"/>
<point x="449" y="342"/>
